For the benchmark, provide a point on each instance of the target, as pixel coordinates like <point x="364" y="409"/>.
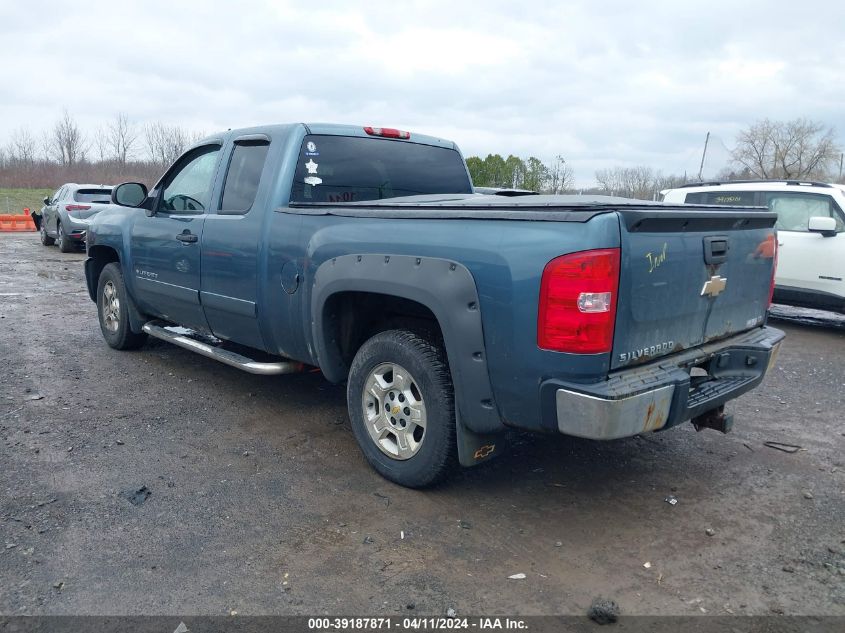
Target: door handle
<point x="187" y="238"/>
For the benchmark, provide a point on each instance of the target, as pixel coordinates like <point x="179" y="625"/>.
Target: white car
<point x="811" y="233"/>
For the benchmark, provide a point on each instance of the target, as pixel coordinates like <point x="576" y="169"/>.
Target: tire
<point x="113" y="317"/>
<point x="63" y="242"/>
<point x="411" y="374"/>
<point x="46" y="240"/>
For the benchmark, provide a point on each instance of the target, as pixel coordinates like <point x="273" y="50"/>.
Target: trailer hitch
<point x="714" y="419"/>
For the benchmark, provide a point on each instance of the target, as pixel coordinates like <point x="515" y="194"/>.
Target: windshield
<point x="339" y="169"/>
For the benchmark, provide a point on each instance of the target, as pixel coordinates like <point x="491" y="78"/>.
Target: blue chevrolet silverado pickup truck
<point x="451" y="315"/>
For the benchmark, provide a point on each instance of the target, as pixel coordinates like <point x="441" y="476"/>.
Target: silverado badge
<point x="714" y="286"/>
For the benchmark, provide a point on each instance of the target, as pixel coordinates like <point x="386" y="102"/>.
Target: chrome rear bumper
<point x="583" y="415"/>
<point x="659" y="395"/>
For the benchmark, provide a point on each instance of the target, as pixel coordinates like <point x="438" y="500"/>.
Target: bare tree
<point x="630" y="182"/>
<point x="166" y="143"/>
<point x="100" y="142"/>
<point x="68" y="141"/>
<point x="671" y="181"/>
<point x="787" y="149"/>
<point x="45" y="144"/>
<point x="560" y="176"/>
<point x="122" y="137"/>
<point x="641" y="182"/>
<point x="22" y="147"/>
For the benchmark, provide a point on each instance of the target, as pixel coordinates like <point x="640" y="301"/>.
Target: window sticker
<point x="312" y="180"/>
<point x="311" y="149"/>
<point x="346" y="196"/>
<point x="311" y="166"/>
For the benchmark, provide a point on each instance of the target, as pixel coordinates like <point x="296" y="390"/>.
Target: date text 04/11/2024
<point x="414" y="624"/>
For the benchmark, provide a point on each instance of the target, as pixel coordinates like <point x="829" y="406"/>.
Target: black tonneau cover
<point x="544" y="208"/>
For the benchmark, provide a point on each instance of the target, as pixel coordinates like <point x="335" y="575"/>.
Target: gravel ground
<point x="260" y="502"/>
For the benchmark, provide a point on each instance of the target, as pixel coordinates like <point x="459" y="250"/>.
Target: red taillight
<point x="578" y="302"/>
<point x="774" y="267"/>
<point x="77" y="207"/>
<point x="387" y="132"/>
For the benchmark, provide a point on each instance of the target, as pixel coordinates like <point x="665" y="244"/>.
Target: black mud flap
<point x="90" y="280"/>
<point x="475" y="448"/>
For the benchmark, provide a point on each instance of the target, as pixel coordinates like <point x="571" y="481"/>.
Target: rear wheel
<point x="63" y="242"/>
<point x="401" y="405"/>
<point x="112" y="302"/>
<point x="46" y="240"/>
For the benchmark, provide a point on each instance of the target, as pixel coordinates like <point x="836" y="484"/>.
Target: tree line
<point x="514" y="172"/>
<point x="768" y="150"/>
<point x="117" y="151"/>
<point x="558" y="177"/>
<point x="121" y="150"/>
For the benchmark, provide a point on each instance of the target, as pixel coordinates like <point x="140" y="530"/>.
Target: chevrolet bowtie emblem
<point x="714" y="286"/>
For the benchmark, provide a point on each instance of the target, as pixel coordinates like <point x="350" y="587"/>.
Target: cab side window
<point x="243" y="176"/>
<point x="188" y="188"/>
<point x="795" y="210"/>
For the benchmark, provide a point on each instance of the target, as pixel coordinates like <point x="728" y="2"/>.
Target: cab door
<point x="233" y="241"/>
<point x="166" y="241"/>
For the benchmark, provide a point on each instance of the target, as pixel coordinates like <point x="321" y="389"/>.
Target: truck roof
<point x="754" y="185"/>
<point x="333" y="129"/>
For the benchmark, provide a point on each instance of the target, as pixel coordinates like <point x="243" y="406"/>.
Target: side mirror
<point x="129" y="194"/>
<point x="822" y="224"/>
<point x="47" y="200"/>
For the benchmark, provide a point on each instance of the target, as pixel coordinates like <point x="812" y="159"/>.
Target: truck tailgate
<point x="689" y="277"/>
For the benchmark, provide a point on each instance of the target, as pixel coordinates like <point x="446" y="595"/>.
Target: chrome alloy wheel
<point x="394" y="411"/>
<point x="110" y="307"/>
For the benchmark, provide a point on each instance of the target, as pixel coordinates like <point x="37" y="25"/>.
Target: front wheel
<point x="46" y="240"/>
<point x="112" y="302"/>
<point x="401" y="405"/>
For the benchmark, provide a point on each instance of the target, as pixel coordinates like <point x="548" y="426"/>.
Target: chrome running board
<point x="183" y="338"/>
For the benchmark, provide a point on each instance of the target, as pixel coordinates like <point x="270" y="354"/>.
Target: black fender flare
<point x="445" y="287"/>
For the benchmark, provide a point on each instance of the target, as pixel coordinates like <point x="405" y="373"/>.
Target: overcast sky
<point x="602" y="83"/>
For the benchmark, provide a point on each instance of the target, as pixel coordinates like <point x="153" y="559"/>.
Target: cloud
<point x="600" y="83"/>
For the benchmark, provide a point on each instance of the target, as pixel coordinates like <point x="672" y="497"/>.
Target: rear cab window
<point x="100" y="196"/>
<point x="340" y="169"/>
<point x="723" y="198"/>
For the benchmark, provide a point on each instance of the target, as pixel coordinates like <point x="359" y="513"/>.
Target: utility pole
<point x="703" y="154"/>
<point x="841" y="156"/>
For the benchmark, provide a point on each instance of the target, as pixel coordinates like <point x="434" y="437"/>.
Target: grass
<point x="15" y="200"/>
